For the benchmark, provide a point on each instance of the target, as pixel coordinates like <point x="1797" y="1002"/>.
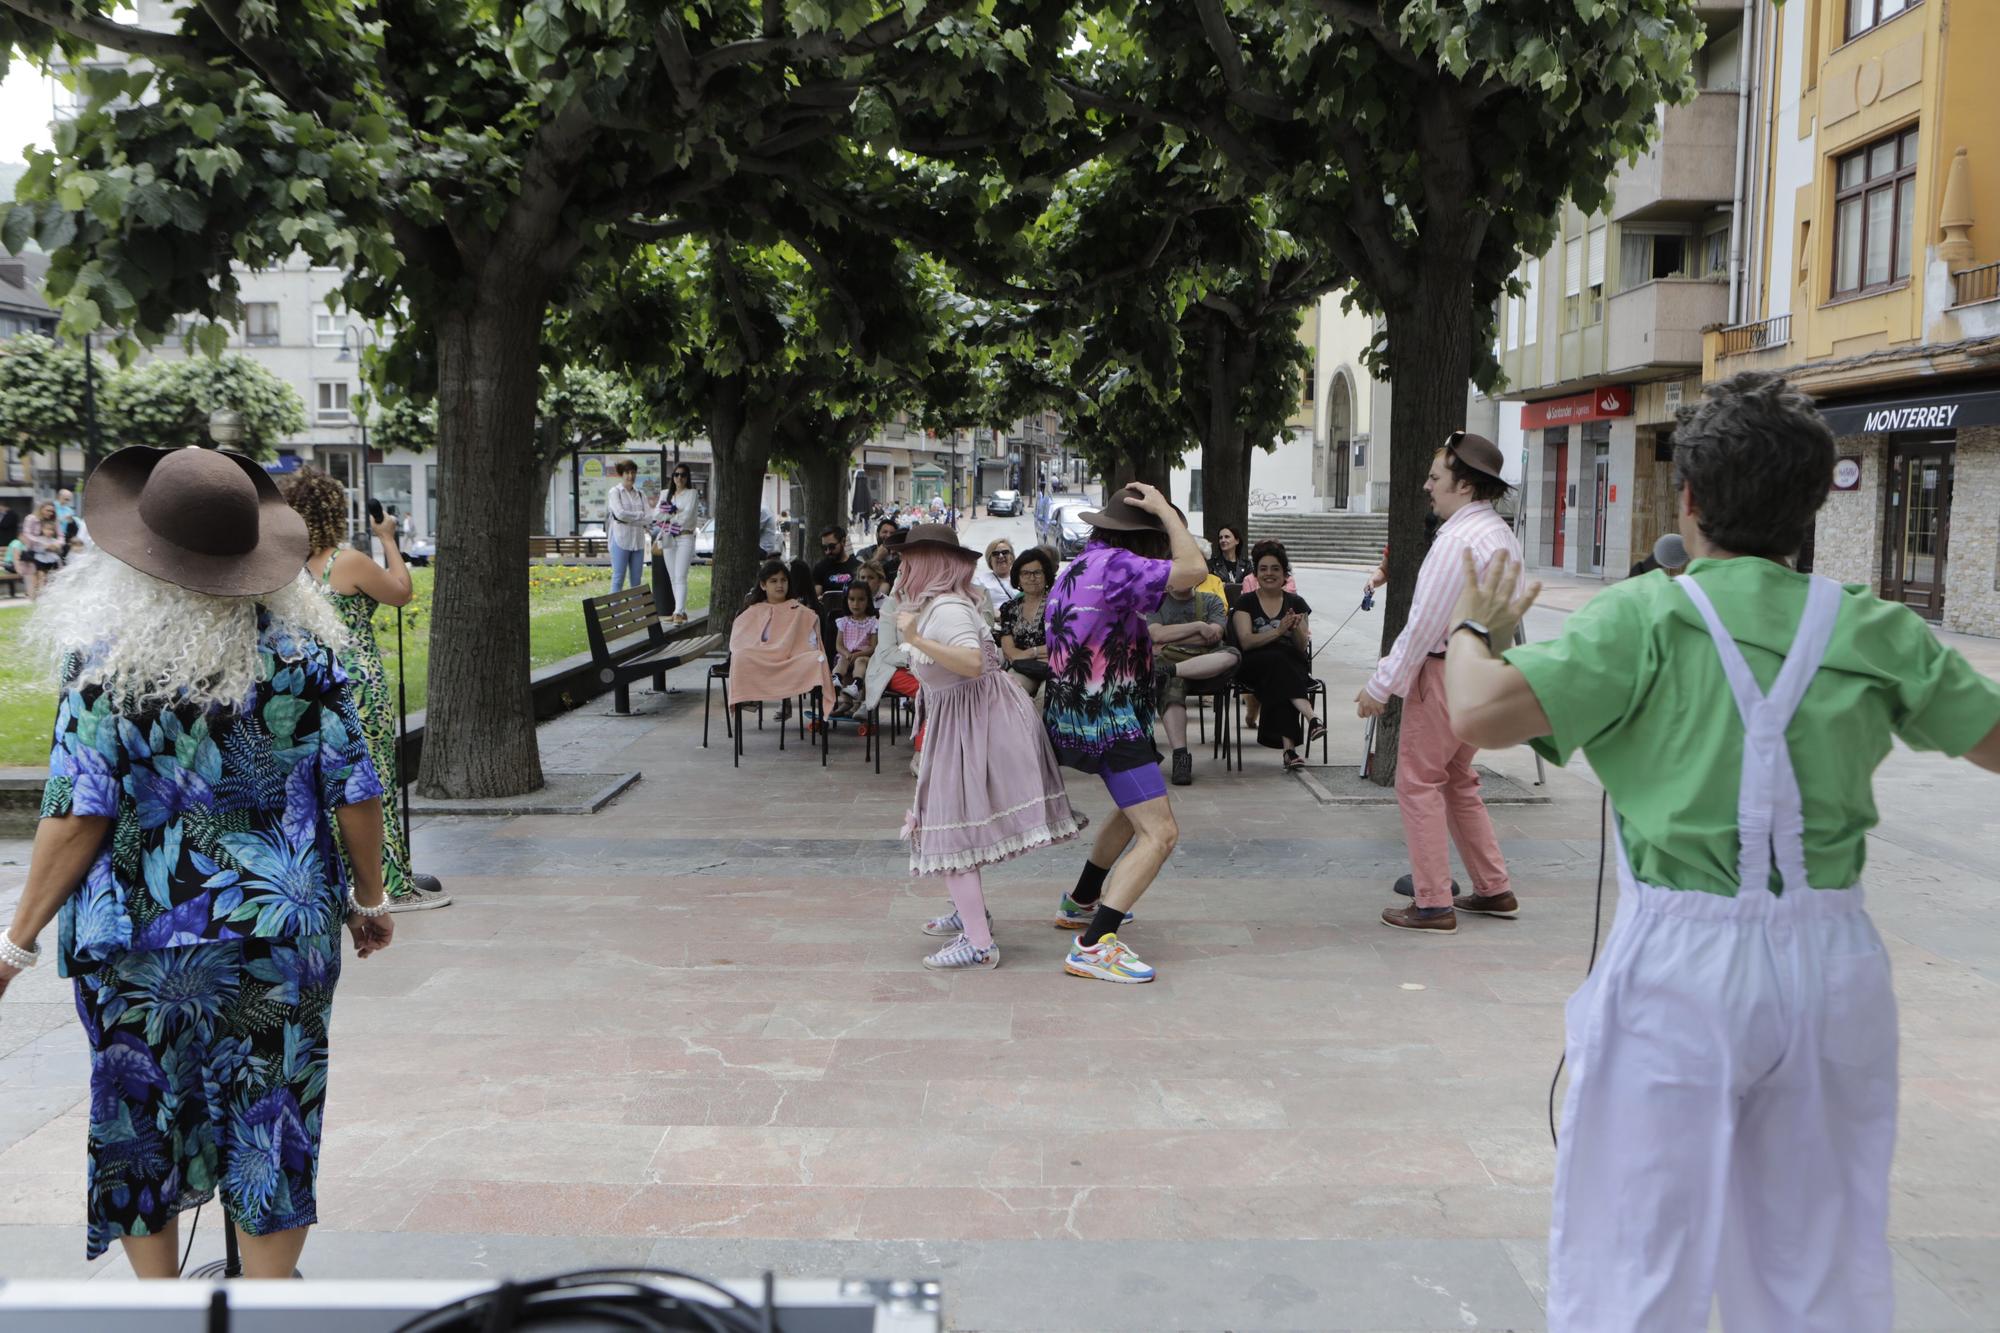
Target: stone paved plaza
<point x="694" y="1030"/>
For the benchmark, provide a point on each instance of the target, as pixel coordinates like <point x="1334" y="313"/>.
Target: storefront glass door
<point x="1916" y="536"/>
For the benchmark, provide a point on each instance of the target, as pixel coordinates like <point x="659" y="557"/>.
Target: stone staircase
<point x="1324" y="539"/>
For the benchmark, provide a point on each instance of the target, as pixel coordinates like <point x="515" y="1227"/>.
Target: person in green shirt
<point x="1731" y="1112"/>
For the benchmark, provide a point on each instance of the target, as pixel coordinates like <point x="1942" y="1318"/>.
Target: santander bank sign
<point x="1613" y="400"/>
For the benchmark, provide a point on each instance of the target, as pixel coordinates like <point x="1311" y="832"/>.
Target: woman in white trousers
<point x="677" y="518"/>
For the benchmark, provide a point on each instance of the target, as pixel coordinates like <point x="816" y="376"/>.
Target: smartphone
<point x="374" y="511"/>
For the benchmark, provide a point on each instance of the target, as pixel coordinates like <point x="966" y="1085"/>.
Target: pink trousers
<point x="1438" y="794"/>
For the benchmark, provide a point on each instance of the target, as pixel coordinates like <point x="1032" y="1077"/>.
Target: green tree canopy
<point x="41" y="393"/>
<point x="166" y="403"/>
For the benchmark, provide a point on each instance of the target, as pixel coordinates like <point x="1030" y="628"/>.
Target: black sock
<point x="1106" y="922"/>
<point x="1089" y="884"/>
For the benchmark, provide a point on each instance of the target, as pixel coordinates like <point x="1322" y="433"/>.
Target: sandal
<point x="1314" y="730"/>
<point x="1293" y="760"/>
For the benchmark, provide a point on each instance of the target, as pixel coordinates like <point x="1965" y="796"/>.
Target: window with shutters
<point x="1572" y="283"/>
<point x="1874" y="207"/>
<point x="1531" y="279"/>
<point x="260" y="323"/>
<point x="1593" y="294"/>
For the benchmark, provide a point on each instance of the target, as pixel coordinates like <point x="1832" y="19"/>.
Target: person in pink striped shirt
<point x="1437" y="790"/>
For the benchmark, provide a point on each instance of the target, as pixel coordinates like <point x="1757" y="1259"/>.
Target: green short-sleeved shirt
<point x="1634" y="681"/>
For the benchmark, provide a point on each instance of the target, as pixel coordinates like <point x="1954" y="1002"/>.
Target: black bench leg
<point x="707" y="697"/>
<point x="623" y="694"/>
<point x="659" y="682"/>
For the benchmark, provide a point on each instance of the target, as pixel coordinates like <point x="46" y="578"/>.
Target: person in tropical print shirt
<point x="1100" y="711"/>
<point x="205" y="742"/>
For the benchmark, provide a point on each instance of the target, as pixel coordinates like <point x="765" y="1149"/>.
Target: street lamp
<point x="349" y="337"/>
<point x="225" y="427"/>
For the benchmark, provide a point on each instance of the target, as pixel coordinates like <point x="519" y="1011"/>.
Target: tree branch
<point x="58" y="14"/>
<point x="1367" y="16"/>
<point x="1229" y="56"/>
<point x="273" y="61"/>
<point x="670" y="42"/>
<point x="879" y="35"/>
<point x="725" y="268"/>
<point x="1368" y="218"/>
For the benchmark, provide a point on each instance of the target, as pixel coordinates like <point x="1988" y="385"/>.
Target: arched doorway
<point x="1339" y="439"/>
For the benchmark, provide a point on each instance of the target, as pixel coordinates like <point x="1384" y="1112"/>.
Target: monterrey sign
<point x="1940" y="410"/>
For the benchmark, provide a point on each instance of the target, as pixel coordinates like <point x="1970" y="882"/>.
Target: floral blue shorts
<point x="208" y="1070"/>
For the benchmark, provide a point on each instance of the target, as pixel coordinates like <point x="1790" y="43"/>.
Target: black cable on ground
<point x="635" y="1298"/>
<point x="1596" y="926"/>
<point x="193" y="1227"/>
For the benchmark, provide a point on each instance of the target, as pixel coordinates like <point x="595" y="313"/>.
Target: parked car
<point x="704" y="543"/>
<point x="1066" y="531"/>
<point x="1003" y="504"/>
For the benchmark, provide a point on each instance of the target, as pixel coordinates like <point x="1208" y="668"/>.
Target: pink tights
<point x="970" y="900"/>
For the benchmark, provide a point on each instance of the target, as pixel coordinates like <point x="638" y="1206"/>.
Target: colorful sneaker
<point x="1110" y="959"/>
<point x="950" y="924"/>
<point x="418" y="899"/>
<point x="959" y="956"/>
<point x="1073" y="915"/>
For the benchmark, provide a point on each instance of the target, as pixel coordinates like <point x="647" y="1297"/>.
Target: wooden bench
<point x="568" y="548"/>
<point x="615" y="617"/>
<point x="12" y="584"/>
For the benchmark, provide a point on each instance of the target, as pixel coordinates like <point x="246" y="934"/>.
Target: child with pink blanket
<point x="775" y="651"/>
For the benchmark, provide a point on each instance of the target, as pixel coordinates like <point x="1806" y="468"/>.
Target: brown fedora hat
<point x="1121" y="514"/>
<point x="206" y="520"/>
<point x="1476" y="452"/>
<point x="936" y="537"/>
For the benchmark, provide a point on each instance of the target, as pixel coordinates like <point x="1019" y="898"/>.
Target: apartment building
<point x="1605" y="342"/>
<point x="1875" y="285"/>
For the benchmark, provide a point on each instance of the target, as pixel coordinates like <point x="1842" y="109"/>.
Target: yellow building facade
<point x="1874" y="282"/>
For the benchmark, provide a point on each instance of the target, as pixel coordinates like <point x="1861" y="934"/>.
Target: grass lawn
<point x="555" y="631"/>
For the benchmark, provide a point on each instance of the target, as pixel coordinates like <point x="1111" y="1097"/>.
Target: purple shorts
<point x="1134" y="786"/>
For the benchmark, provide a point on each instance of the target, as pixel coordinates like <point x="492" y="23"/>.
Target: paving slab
<point x="694" y="1029"/>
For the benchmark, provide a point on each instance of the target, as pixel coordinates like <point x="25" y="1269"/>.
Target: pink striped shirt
<point x="1476" y="528"/>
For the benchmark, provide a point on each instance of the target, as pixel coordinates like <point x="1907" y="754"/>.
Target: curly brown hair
<point x="322" y="503"/>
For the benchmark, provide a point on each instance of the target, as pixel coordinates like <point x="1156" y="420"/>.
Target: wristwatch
<point x="1485" y="634"/>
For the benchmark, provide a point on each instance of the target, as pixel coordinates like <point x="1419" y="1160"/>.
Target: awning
<point x="1943" y="408"/>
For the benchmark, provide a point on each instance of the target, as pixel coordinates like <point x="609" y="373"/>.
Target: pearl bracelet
<point x="13" y="955"/>
<point x="355" y="908"/>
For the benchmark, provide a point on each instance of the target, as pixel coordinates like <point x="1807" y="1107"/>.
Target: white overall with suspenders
<point x="1731" y="1112"/>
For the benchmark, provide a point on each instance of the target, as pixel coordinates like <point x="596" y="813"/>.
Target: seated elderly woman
<point x="775" y="648"/>
<point x="205" y="745"/>
<point x="1023" y="637"/>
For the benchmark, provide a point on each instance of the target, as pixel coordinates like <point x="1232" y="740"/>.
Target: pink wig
<point x="927" y="572"/>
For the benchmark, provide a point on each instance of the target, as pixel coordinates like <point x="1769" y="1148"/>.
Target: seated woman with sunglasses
<point x="992" y="577"/>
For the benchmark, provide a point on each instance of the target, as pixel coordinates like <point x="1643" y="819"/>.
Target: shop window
<point x="1874" y="207"/>
<point x="1865" y="14"/>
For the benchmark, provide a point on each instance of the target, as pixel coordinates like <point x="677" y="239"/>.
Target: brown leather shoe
<point x="1503" y="903"/>
<point x="1441" y="919"/>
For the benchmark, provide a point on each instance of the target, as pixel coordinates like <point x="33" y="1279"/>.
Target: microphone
<point x="1670" y="552"/>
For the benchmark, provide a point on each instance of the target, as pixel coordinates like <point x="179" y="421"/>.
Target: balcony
<point x="1971" y="286"/>
<point x="1690" y="168"/>
<point x="1660" y="323"/>
<point x="1759" y="345"/>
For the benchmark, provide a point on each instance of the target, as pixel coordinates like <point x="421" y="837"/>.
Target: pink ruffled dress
<point x="988" y="788"/>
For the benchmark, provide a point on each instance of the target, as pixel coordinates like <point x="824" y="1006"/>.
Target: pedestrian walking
<point x="1437" y="789"/>
<point x="625" y="525"/>
<point x="678" y="518"/>
<point x="42" y="542"/>
<point x="1099" y="712"/>
<point x="206" y="745"/>
<point x="1731" y="1112"/>
<point x="357" y="586"/>
<point x="988" y="789"/>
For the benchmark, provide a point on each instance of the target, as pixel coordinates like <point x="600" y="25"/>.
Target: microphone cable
<point x="632" y="1298"/>
<point x="1596" y="926"/>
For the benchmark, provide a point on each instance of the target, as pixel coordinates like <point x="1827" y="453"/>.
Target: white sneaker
<point x="959" y="955"/>
<point x="950" y="924"/>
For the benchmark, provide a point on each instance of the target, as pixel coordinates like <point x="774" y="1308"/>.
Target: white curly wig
<point x="147" y="641"/>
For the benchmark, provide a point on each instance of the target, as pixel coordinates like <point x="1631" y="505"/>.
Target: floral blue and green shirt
<point x="222" y="818"/>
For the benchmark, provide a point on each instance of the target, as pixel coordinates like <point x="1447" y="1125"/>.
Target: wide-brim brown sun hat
<point x="203" y="519"/>
<point x="936" y="537"/>
<point x="1121" y="514"/>
<point x="1476" y="452"/>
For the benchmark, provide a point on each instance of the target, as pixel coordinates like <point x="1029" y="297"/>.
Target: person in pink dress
<point x="856" y="644"/>
<point x="988" y="788"/>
